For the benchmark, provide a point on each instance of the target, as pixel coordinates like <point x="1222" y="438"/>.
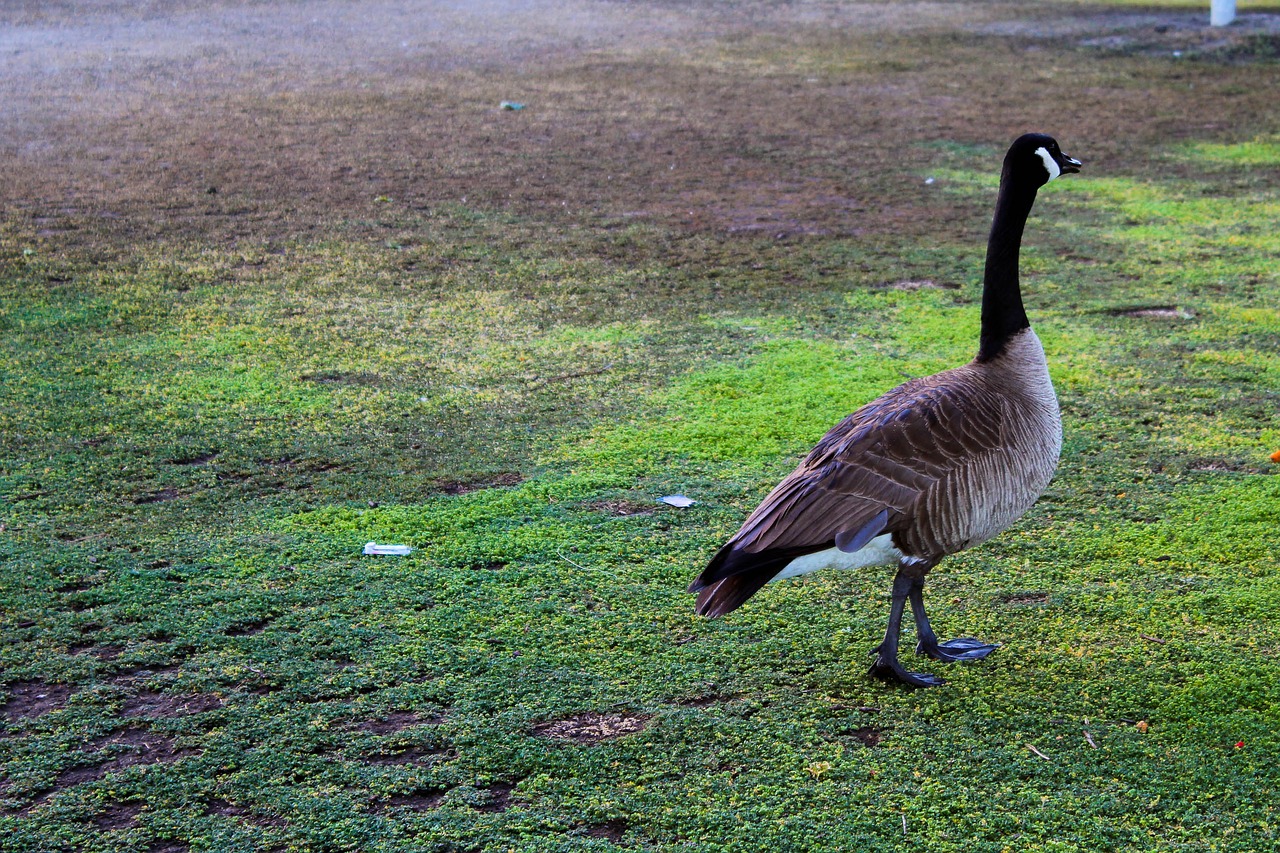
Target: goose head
<point x="1037" y="159"/>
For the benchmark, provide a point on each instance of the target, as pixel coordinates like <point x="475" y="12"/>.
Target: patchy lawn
<point x="277" y="280"/>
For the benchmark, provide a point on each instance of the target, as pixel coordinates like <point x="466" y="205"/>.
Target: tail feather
<point x="733" y="576"/>
<point x="729" y="594"/>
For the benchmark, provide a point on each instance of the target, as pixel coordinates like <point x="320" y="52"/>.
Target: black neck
<point x="1002" y="312"/>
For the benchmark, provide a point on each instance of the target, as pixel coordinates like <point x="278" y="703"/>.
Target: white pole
<point x="1221" y="12"/>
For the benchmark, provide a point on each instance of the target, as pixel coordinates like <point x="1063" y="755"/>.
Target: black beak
<point x="1070" y="165"/>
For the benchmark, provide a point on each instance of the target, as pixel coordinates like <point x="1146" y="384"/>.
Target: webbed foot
<point x="959" y="649"/>
<point x="891" y="670"/>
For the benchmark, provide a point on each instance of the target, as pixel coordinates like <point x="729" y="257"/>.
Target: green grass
<point x="1263" y="151"/>
<point x="196" y="442"/>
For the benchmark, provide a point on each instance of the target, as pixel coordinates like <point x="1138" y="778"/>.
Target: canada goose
<point x="934" y="466"/>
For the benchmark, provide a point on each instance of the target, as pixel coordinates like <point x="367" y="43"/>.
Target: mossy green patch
<point x="1262" y="151"/>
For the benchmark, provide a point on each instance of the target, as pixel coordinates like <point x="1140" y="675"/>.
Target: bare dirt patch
<point x="612" y="830"/>
<point x="396" y="721"/>
<point x="334" y="377"/>
<point x="403" y="755"/>
<point x="497" y="797"/>
<point x="127" y="748"/>
<point x="1025" y="598"/>
<point x="154" y="705"/>
<point x="454" y="487"/>
<point x="123" y="815"/>
<point x="81" y="585"/>
<point x="1227" y="466"/>
<point x="868" y="736"/>
<point x="130" y="677"/>
<point x="421" y="800"/>
<point x="29" y="699"/>
<point x="198" y="460"/>
<point x="93" y="650"/>
<point x="167" y="846"/>
<point x="592" y="727"/>
<point x="247" y="629"/>
<point x="217" y="806"/>
<point x="239" y="120"/>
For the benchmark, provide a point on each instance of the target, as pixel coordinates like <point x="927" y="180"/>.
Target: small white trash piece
<point x="390" y="550"/>
<point x="677" y="500"/>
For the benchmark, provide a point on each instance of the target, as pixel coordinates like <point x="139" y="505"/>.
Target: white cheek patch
<point x="1050" y="164"/>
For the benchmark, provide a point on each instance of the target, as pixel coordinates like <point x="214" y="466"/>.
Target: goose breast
<point x="1011" y="430"/>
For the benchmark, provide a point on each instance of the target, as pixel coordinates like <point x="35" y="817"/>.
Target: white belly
<point x="877" y="552"/>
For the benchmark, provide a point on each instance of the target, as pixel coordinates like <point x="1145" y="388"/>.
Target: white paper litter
<point x="677" y="500"/>
<point x="391" y="550"/>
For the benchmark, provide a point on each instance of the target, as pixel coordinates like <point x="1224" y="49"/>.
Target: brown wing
<point x="865" y="477"/>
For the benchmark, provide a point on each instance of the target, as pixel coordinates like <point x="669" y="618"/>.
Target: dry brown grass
<point x="269" y="121"/>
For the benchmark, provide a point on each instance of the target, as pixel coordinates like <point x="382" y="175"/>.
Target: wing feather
<point x="869" y="475"/>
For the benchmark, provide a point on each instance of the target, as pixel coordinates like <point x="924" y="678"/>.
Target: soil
<point x="34" y="699"/>
<point x="118" y="816"/>
<point x="592" y="727"/>
<point x="408" y="755"/>
<point x="150" y="704"/>
<point x="613" y="830"/>
<point x="228" y="809"/>
<point x="498" y="797"/>
<point x="418" y="801"/>
<point x="265" y="120"/>
<point x="393" y="722"/>
<point x="869" y="736"/>
<point x="128" y="747"/>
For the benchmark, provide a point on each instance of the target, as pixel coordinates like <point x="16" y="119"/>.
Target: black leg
<point x="961" y="648"/>
<point x="886" y="665"/>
